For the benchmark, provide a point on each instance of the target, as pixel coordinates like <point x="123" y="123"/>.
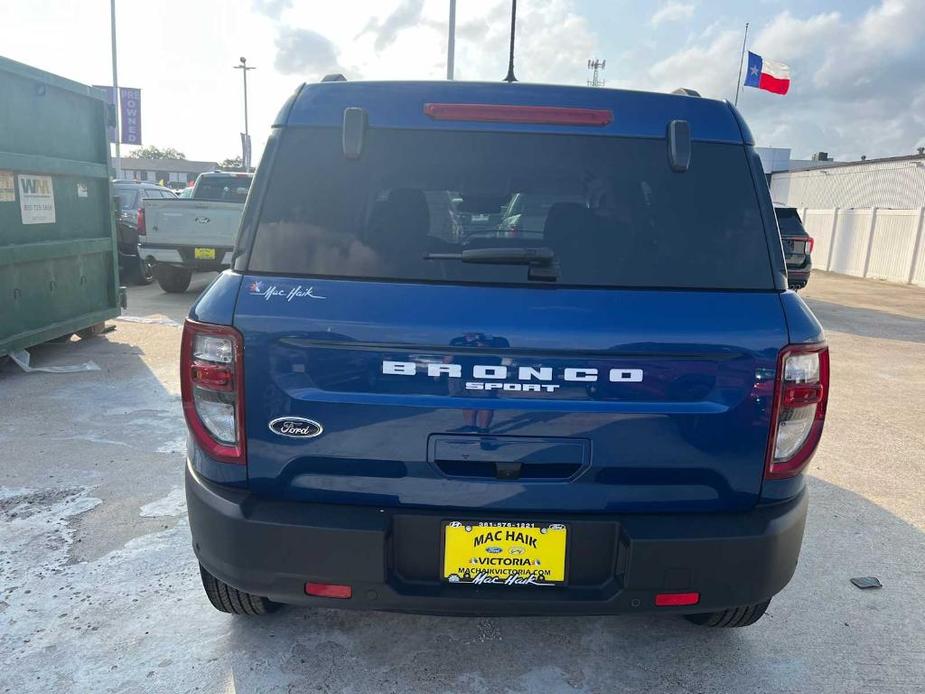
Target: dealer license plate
<point x="511" y="554"/>
<point x="204" y="253"/>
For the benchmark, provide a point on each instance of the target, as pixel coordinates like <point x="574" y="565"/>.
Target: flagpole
<point x="741" y="60"/>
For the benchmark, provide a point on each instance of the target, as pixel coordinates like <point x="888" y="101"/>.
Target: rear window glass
<point x="223" y="188"/>
<point x="128" y="198"/>
<point x="418" y="205"/>
<point x="789" y="222"/>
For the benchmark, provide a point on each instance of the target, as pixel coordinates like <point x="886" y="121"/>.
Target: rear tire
<point x="173" y="280"/>
<point x="141" y="273"/>
<point x="733" y="617"/>
<point x="224" y="598"/>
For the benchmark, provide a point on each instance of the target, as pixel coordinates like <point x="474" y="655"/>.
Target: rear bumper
<point x="391" y="557"/>
<point x="183" y="256"/>
<point x="798" y="274"/>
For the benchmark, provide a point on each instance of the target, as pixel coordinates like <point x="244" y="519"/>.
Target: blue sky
<point x="857" y="65"/>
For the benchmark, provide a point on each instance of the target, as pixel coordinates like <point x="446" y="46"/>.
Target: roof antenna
<point x="510" y="65"/>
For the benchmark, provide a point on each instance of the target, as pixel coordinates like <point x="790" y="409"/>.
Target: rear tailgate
<point x="681" y="425"/>
<point x="192" y="222"/>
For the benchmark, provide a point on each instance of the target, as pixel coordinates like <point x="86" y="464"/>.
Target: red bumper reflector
<point x="505" y="113"/>
<point x="676" y="599"/>
<point x="329" y="590"/>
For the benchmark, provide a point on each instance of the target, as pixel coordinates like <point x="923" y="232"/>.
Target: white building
<point x="175" y="173"/>
<point x="890" y="183"/>
<point x="774" y="159"/>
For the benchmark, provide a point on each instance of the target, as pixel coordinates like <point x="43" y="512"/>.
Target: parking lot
<point x="99" y="589"/>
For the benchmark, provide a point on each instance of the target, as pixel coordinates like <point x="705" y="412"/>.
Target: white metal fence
<point x="879" y="243"/>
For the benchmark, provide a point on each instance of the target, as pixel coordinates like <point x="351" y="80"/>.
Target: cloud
<point x="672" y="11"/>
<point x="305" y="52"/>
<point x="405" y="16"/>
<point x="408" y="40"/>
<point x="856" y="80"/>
<point x="272" y="8"/>
<point x="710" y="68"/>
<point x="553" y="43"/>
<point x="795" y="38"/>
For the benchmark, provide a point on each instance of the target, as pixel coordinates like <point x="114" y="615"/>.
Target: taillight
<point x="809" y="244"/>
<point x="800" y="397"/>
<point x="212" y="387"/>
<point x="140" y="222"/>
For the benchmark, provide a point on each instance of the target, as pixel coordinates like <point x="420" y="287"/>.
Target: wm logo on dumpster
<point x="34" y="186"/>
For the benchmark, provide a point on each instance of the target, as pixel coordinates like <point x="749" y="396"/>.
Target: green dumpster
<point x="58" y="263"/>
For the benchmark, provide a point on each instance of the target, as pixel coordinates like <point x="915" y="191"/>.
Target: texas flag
<point x="767" y="74"/>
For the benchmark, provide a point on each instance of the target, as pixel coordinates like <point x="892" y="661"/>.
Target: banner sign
<point x="246" y="149"/>
<point x="130" y="112"/>
<point x="130" y="103"/>
<point x="111" y="100"/>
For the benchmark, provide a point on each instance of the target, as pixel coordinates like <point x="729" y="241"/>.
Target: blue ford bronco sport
<point x="398" y="401"/>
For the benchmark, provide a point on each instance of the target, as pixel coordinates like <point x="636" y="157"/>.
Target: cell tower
<point x="596" y="67"/>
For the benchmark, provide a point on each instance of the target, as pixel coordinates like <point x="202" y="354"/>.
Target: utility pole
<point x="245" y="144"/>
<point x="451" y="42"/>
<point x="115" y="88"/>
<point x="596" y="66"/>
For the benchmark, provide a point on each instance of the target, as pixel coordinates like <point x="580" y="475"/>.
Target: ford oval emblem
<point x="296" y="427"/>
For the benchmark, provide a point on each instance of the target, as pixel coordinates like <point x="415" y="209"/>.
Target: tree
<point x="232" y="163"/>
<point x="154" y="152"/>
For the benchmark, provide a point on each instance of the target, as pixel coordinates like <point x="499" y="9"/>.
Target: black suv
<point x="130" y="223"/>
<point x="798" y="245"/>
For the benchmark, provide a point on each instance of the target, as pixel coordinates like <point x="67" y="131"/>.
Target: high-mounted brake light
<point x="212" y="387"/>
<point x="505" y="113"/>
<point x="801" y="394"/>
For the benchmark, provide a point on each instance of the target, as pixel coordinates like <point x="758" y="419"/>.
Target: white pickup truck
<point x="183" y="236"/>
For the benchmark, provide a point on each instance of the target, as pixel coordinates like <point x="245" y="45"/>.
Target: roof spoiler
<point x="684" y="91"/>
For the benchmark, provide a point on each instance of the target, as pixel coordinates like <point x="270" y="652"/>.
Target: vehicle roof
<point x="226" y="174"/>
<point x="146" y="184"/>
<point x="401" y="105"/>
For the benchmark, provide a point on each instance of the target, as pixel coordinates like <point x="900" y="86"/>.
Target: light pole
<point x="245" y="145"/>
<point x="451" y="42"/>
<point x="115" y="89"/>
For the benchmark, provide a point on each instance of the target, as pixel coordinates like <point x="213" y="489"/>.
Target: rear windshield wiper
<point x="541" y="261"/>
